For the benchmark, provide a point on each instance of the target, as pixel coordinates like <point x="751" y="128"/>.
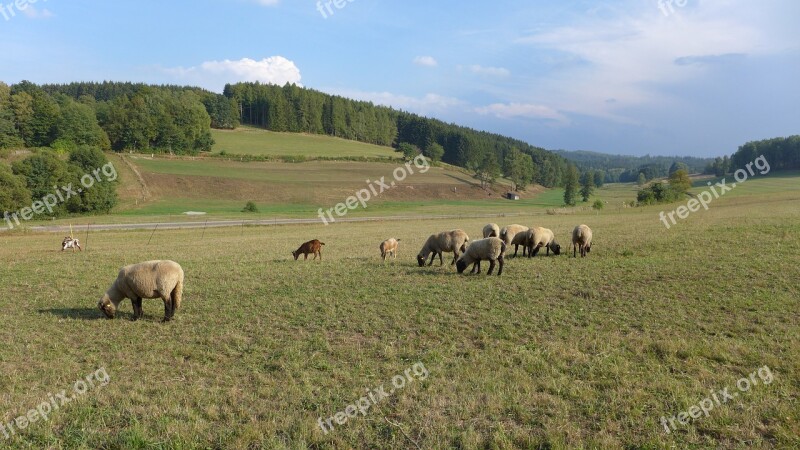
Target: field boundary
<point x="257" y="222"/>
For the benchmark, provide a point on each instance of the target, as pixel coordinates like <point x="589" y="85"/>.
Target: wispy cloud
<point x="214" y="74"/>
<point x="487" y="71"/>
<point x="428" y="104"/>
<point x="32" y="12"/>
<point x="427" y="61"/>
<point x="522" y="110"/>
<point x="630" y="55"/>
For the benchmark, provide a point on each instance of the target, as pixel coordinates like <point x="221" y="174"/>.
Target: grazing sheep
<point x="507" y="233"/>
<point x="313" y="246"/>
<point x="447" y="241"/>
<point x="581" y="238"/>
<point x="522" y="238"/>
<point x="389" y="248"/>
<point x="491" y="230"/>
<point x="69" y="242"/>
<point x="542" y="237"/>
<point x="152" y="279"/>
<point x="490" y="248"/>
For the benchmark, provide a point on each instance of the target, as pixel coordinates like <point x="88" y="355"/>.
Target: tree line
<point x="111" y="116"/>
<point x="301" y="110"/>
<point x="28" y="181"/>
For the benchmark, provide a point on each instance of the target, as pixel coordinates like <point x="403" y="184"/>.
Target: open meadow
<point x="556" y="353"/>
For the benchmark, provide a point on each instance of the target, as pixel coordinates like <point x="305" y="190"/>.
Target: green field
<point x="556" y="353"/>
<point x="255" y="141"/>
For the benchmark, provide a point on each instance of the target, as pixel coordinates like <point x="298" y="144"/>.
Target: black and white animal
<point x="70" y="243"/>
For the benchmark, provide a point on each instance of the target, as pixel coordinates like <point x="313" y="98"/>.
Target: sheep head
<point x="421" y="260"/>
<point x="555" y="248"/>
<point x="461" y="266"/>
<point x="295" y="254"/>
<point x="107" y="307"/>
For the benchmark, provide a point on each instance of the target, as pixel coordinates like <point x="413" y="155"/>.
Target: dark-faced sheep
<point x="490" y="248"/>
<point x="447" y="241"/>
<point x="313" y="246"/>
<point x="581" y="239"/>
<point x="389" y="248"/>
<point x="542" y="237"/>
<point x="151" y="279"/>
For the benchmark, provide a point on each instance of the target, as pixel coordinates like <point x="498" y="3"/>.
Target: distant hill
<point x="626" y="168"/>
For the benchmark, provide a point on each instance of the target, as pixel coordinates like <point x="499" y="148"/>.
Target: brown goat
<point x="313" y="246"/>
<point x="389" y="248"/>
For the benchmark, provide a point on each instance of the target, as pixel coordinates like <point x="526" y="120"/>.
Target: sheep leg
<point x="500" y="259"/>
<point x="432" y="257"/>
<point x="548" y="250"/>
<point x="536" y="250"/>
<point x="491" y="267"/>
<point x="575" y="251"/>
<point x="137" y="309"/>
<point x="516" y="247"/>
<point x="476" y="267"/>
<point x="169" y="309"/>
<point x="441" y="259"/>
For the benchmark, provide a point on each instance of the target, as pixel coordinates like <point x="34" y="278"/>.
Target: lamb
<point x="313" y="246"/>
<point x="581" y="238"/>
<point x="508" y="233"/>
<point x="491" y="230"/>
<point x="490" y="248"/>
<point x="389" y="247"/>
<point x="447" y="241"/>
<point x="152" y="279"/>
<point x="542" y="237"/>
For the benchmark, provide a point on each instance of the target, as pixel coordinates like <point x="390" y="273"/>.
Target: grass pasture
<point x="255" y="141"/>
<point x="556" y="353"/>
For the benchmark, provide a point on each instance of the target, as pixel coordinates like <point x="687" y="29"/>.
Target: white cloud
<point x="427" y="61"/>
<point x="488" y="71"/>
<point x="522" y="110"/>
<point x="214" y="74"/>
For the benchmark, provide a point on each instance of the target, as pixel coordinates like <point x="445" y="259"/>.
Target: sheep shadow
<point x="74" y="313"/>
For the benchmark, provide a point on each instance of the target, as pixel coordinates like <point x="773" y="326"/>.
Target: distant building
<point x="512" y="196"/>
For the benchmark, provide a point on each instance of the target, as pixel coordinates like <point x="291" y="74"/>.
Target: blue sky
<point x="688" y="77"/>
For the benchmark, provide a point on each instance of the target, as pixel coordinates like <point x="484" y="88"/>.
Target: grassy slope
<point x="556" y="353"/>
<point x="254" y="141"/>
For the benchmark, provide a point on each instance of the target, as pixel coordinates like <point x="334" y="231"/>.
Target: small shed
<point x="512" y="196"/>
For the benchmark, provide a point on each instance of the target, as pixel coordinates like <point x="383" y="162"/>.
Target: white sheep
<point x="508" y="233"/>
<point x="581" y="239"/>
<point x="152" y="279"/>
<point x="447" y="241"/>
<point x="491" y="230"/>
<point x="542" y="237"/>
<point x="490" y="248"/>
<point x="389" y="248"/>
